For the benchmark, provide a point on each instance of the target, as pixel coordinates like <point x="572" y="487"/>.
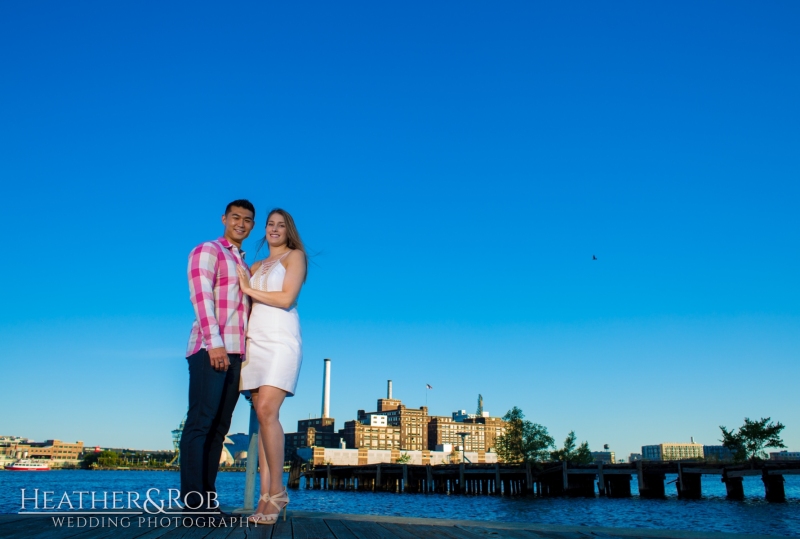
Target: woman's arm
<point x="295" y="273"/>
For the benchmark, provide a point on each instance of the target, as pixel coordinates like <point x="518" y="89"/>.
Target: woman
<point x="274" y="351"/>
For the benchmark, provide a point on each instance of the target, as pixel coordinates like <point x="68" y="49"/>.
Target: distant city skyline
<point x="453" y="169"/>
<point x="677" y="448"/>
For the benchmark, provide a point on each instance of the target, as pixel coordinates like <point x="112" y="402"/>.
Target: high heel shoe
<point x="271" y="518"/>
<point x="280" y="497"/>
<point x="260" y="518"/>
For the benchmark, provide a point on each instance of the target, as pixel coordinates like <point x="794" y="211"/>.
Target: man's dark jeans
<point x="212" y="398"/>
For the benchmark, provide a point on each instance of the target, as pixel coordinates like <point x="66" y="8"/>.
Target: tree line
<point x="525" y="441"/>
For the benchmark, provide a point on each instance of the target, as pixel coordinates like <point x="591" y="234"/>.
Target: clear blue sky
<point x="454" y="164"/>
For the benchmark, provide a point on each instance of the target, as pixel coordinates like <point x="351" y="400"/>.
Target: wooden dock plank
<point x="339" y="529"/>
<point x="370" y="530"/>
<point x="420" y="531"/>
<point x="397" y="531"/>
<point x="115" y="532"/>
<point x="448" y="532"/>
<point x="565" y="535"/>
<point x="310" y="528"/>
<point x="601" y="535"/>
<point x="496" y="533"/>
<point x="234" y="532"/>
<point x="150" y="533"/>
<point x="307" y="525"/>
<point x="38" y="527"/>
<point x="186" y="532"/>
<point x="5" y="519"/>
<point x="43" y="527"/>
<point x="264" y="531"/>
<point x="281" y="529"/>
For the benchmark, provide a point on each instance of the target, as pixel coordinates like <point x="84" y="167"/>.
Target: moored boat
<point x="28" y="465"/>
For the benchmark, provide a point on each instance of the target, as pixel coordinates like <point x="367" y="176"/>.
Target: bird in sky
<point x="594" y="257"/>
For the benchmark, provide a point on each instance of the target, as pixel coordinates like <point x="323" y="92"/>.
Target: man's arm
<point x="203" y="262"/>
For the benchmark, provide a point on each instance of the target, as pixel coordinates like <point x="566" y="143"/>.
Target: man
<point x="216" y="347"/>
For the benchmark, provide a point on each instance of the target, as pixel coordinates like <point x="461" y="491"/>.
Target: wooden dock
<point x="547" y="479"/>
<point x="307" y="525"/>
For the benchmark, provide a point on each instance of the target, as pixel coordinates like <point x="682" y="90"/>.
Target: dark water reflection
<point x="713" y="513"/>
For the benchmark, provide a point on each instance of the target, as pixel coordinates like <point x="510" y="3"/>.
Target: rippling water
<point x="713" y="513"/>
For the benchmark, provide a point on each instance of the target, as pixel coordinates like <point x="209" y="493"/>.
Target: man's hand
<point x="219" y="358"/>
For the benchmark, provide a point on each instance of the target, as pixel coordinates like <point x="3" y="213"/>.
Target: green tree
<point x="752" y="438"/>
<point x="404" y="458"/>
<point x="523" y="441"/>
<point x="108" y="458"/>
<point x="569" y="453"/>
<point x="89" y="460"/>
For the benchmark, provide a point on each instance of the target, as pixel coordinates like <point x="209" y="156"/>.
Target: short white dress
<point x="274" y="343"/>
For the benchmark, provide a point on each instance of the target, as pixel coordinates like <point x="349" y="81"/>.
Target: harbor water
<point x="713" y="513"/>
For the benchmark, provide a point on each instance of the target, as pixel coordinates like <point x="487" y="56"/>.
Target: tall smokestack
<point x="388" y="389"/>
<point x="326" y="389"/>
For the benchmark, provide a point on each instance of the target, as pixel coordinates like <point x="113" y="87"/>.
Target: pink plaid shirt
<point x="220" y="307"/>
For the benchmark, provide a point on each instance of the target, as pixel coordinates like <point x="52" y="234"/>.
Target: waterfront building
<point x="56" y="452"/>
<point x="362" y="434"/>
<point x="314" y="432"/>
<point x="651" y="452"/>
<point x="606" y="457"/>
<point x="392" y="426"/>
<point x="408" y="426"/>
<point x="784" y="455"/>
<point x="482" y="432"/>
<point x="717" y="453"/>
<point x="395" y="427"/>
<point x="6" y="440"/>
<point x="633" y="457"/>
<point x="672" y="451"/>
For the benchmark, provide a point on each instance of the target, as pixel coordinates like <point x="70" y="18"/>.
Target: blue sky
<point x="453" y="166"/>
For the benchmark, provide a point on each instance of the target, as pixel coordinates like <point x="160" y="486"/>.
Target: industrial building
<point x="481" y="431"/>
<point x="673" y="451"/>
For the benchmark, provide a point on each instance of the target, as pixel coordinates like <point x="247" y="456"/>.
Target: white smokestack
<point x="388" y="389"/>
<point x="326" y="389"/>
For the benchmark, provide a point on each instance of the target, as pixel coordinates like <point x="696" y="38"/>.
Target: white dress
<point x="274" y="343"/>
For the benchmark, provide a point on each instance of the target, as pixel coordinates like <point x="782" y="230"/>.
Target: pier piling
<point x="689" y="485"/>
<point x="541" y="479"/>
<point x="734" y="486"/>
<point x="773" y="486"/>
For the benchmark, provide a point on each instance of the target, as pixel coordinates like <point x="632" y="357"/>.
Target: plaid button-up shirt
<point x="220" y="307"/>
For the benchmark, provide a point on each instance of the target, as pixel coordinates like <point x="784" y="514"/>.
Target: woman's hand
<point x="292" y="282"/>
<point x="244" y="280"/>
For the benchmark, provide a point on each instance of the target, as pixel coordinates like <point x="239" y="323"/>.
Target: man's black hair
<point x="241" y="203"/>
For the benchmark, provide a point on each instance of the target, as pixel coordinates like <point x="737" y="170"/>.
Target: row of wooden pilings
<point x="547" y="479"/>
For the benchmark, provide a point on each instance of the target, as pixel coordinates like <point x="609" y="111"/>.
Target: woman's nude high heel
<point x="280" y="497"/>
<point x="260" y="518"/>
<point x="271" y="518"/>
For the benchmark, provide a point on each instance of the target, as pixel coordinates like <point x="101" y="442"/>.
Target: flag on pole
<point x="428" y="386"/>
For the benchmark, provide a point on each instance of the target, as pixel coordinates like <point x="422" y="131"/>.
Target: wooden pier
<point x="307" y="525"/>
<point x="546" y="479"/>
